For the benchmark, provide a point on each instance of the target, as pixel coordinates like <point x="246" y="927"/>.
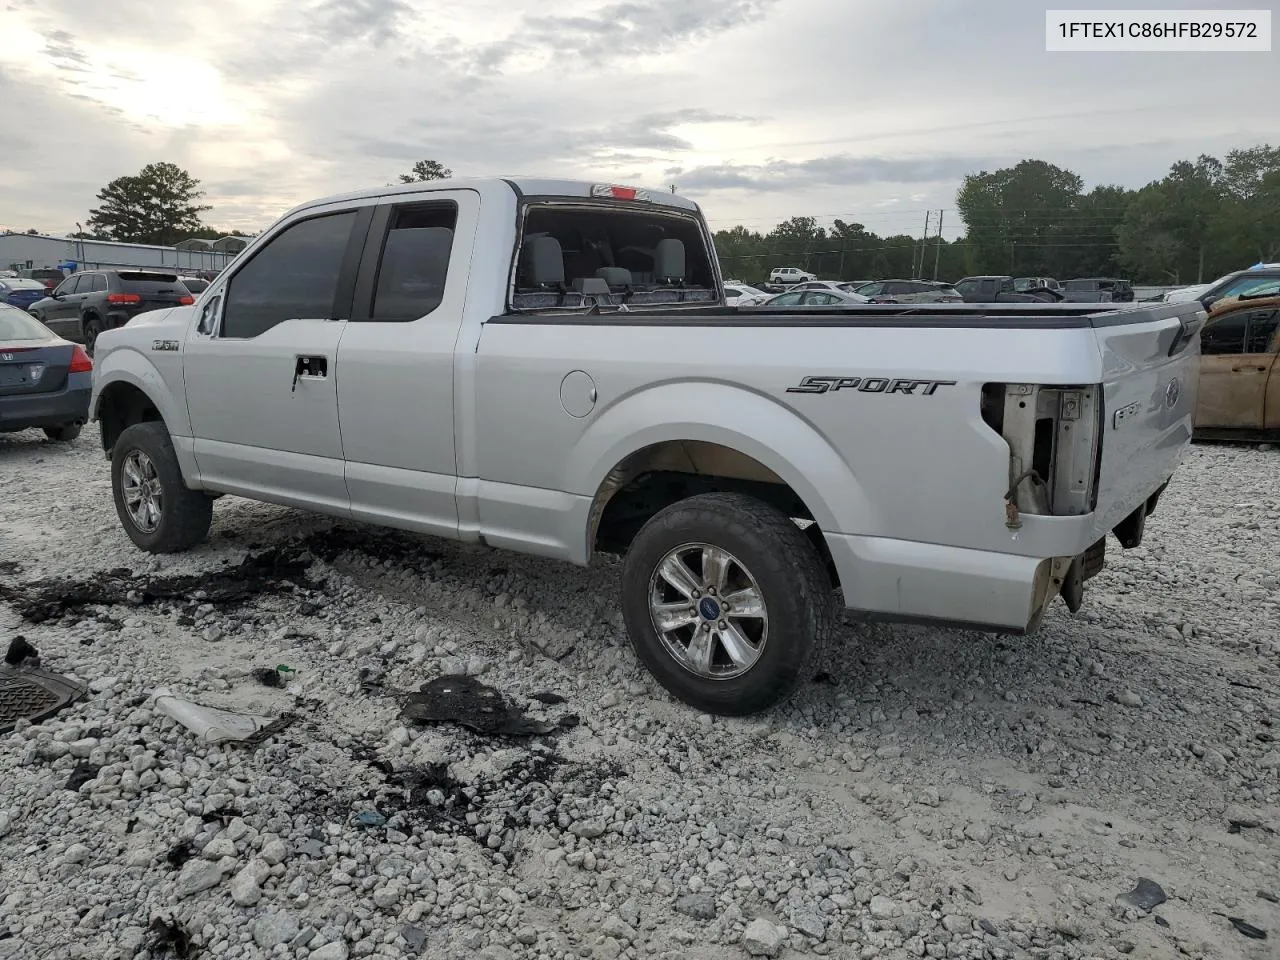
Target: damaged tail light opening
<point x="1055" y="452"/>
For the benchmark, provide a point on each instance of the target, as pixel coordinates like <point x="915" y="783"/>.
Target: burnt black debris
<point x="549" y="699"/>
<point x="1146" y="896"/>
<point x="168" y="938"/>
<point x="19" y="650"/>
<point x="1247" y="929"/>
<point x="179" y="854"/>
<point x="268" y="677"/>
<point x="84" y="772"/>
<point x="273" y="571"/>
<point x="470" y="703"/>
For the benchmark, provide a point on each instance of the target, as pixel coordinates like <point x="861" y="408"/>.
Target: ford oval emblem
<point x="1172" y="392"/>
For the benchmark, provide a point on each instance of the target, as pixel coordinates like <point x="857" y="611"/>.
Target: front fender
<point x="126" y="365"/>
<point x="751" y="423"/>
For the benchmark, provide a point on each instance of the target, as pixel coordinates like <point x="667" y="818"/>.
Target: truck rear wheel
<point x="157" y="510"/>
<point x="727" y="603"/>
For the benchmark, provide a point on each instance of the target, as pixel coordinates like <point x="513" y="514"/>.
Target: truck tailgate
<point x="1150" y="376"/>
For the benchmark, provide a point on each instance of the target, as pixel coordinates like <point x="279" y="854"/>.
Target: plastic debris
<point x="82" y="774"/>
<point x="169" y="937"/>
<point x="1146" y="896"/>
<point x="217" y="726"/>
<point x="469" y="703"/>
<point x="370" y="818"/>
<point x="1248" y="929"/>
<point x="19" y="650"/>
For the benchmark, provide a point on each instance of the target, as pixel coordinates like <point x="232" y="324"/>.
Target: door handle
<point x="309" y="368"/>
<point x="1248" y="369"/>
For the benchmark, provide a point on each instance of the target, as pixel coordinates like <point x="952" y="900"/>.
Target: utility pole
<point x="937" y="248"/>
<point x="918" y="270"/>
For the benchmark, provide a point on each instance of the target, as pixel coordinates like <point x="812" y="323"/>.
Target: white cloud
<point x="759" y="109"/>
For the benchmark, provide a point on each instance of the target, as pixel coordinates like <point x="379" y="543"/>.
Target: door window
<point x="786" y="299"/>
<point x="414" y="265"/>
<point x="293" y="277"/>
<point x="1262" y="330"/>
<point x="99" y="283"/>
<point x="820" y="299"/>
<point x="66" y="286"/>
<point x="1225" y="335"/>
<point x="966" y="287"/>
<point x="1247" y="286"/>
<point x="870" y="289"/>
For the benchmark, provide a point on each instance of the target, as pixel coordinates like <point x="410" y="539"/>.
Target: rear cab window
<point x="578" y="253"/>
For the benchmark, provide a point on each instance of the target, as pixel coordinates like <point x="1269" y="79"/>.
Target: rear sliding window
<point x="578" y="256"/>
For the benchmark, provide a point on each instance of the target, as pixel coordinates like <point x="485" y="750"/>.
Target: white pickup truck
<point x="549" y="367"/>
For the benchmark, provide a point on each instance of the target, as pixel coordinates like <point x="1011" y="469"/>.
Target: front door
<point x="1237" y="356"/>
<point x="62" y="314"/>
<point x="260" y="366"/>
<point x="396" y="362"/>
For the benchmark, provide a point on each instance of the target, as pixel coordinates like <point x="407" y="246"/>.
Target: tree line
<point x="1205" y="217"/>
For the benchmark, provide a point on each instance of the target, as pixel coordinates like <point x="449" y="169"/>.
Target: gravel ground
<point x="942" y="794"/>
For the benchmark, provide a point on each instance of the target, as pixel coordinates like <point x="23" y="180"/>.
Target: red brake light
<point x="80" y="362"/>
<point x="123" y="298"/>
<point x="186" y="301"/>
<point x="618" y="193"/>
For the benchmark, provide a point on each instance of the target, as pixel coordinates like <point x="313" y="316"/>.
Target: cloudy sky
<point x="758" y="109"/>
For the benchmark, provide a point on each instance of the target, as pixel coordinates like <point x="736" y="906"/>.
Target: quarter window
<point x="414" y="265"/>
<point x="293" y="277"/>
<point x="99" y="283"/>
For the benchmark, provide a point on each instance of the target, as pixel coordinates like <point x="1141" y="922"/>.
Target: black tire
<point x="789" y="573"/>
<point x="184" y="514"/>
<point x="63" y="434"/>
<point x="90" y="326"/>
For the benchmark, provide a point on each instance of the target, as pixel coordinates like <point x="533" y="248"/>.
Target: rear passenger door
<point x="260" y="364"/>
<point x="396" y="396"/>
<point x="62" y="314"/>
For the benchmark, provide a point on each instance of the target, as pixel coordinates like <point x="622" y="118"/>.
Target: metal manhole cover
<point x="33" y="695"/>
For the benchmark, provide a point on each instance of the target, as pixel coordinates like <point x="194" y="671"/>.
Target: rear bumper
<point x="68" y="405"/>
<point x="903" y="579"/>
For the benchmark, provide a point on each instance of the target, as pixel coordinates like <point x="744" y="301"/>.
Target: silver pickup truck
<point x="549" y="367"/>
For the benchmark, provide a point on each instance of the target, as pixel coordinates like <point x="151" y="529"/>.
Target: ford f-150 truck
<point x="549" y="367"/>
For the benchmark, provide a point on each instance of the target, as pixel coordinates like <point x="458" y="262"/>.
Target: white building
<point x="20" y="251"/>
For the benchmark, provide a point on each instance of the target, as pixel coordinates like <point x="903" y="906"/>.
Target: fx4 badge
<point x="870" y="385"/>
<point x="164" y="344"/>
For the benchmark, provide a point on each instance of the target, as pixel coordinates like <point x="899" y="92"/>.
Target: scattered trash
<point x="82" y="774"/>
<point x="468" y="702"/>
<point x="550" y="699"/>
<point x="1146" y="896"/>
<point x="168" y="936"/>
<point x="19" y="650"/>
<point x="217" y="726"/>
<point x="30" y="693"/>
<point x="1269" y="897"/>
<point x="370" y="818"/>
<point x="1248" y="929"/>
<point x="273" y="676"/>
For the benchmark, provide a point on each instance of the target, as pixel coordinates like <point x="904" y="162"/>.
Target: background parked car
<point x="87" y="303"/>
<point x="46" y="275"/>
<point x="197" y="285"/>
<point x="909" y="291"/>
<point x="814" y="298"/>
<point x="790" y="275"/>
<point x="1024" y="284"/>
<point x="843" y="286"/>
<point x="1000" y="289"/>
<point x="1097" y="290"/>
<point x="45" y="381"/>
<point x="1239" y="391"/>
<point x="742" y="294"/>
<point x="21" y="292"/>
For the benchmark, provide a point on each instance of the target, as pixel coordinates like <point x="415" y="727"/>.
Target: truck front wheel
<point x="157" y="510"/>
<point x="727" y="603"/>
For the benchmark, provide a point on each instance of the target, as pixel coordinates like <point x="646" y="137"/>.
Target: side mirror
<point x="56" y="295"/>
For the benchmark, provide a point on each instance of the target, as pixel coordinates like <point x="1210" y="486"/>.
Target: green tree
<point x="159" y="205"/>
<point x="1010" y="216"/>
<point x="1246" y="229"/>
<point x="425" y="170"/>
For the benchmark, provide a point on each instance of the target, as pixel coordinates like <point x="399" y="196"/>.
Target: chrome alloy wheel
<point x="143" y="495"/>
<point x="709" y="611"/>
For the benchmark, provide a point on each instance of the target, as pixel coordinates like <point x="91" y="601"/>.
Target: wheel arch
<point x="714" y="432"/>
<point x="129" y="390"/>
